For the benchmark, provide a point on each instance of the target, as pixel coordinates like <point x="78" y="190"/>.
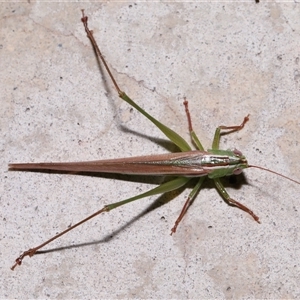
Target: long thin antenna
<point x="268" y="170"/>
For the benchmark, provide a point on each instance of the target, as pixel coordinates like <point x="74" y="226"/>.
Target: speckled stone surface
<point x="229" y="60"/>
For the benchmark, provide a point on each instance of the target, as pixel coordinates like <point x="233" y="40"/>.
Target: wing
<point x="190" y="163"/>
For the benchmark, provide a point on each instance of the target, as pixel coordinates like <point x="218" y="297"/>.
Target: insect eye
<point x="237" y="171"/>
<point x="237" y="152"/>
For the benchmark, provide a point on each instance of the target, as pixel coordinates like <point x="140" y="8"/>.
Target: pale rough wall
<point x="228" y="59"/>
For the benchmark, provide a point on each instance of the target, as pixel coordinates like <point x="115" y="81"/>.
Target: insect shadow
<point x="235" y="182"/>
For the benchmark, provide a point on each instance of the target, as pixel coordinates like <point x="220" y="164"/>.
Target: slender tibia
<point x="182" y="213"/>
<point x="187" y="111"/>
<point x="235" y="127"/>
<point x="233" y="202"/>
<point x="193" y="135"/>
<point x="32" y="251"/>
<point x="244" y="208"/>
<point x="187" y="203"/>
<point x="218" y="132"/>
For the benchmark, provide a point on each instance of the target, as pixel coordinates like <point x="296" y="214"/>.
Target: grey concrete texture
<point x="229" y="59"/>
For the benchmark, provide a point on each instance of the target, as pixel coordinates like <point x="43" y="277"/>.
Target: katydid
<point x="212" y="163"/>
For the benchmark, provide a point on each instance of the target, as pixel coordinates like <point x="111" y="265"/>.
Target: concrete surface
<point x="228" y="59"/>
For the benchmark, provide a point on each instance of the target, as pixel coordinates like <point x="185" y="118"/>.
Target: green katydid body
<point x="213" y="163"/>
